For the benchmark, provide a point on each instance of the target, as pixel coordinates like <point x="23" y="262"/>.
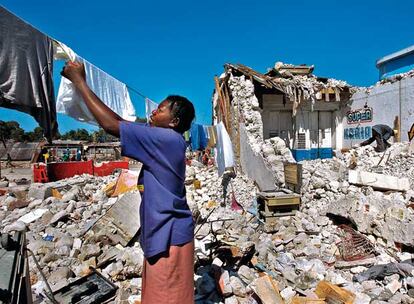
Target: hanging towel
<point x="224" y="150"/>
<point x="198" y="137"/>
<point x="26" y="73"/>
<point x="149" y="107"/>
<point x="110" y="90"/>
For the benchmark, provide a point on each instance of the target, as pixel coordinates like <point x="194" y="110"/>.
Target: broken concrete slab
<point x="122" y="217"/>
<point x="32" y="216"/>
<point x="16" y="226"/>
<point x="59" y="216"/>
<point x="40" y="191"/>
<point x="378" y="181"/>
<point x="224" y="284"/>
<point x="88" y="251"/>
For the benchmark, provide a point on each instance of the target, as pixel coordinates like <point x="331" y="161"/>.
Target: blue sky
<point x="177" y="47"/>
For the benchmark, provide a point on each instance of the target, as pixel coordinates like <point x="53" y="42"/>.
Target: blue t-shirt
<point x="165" y="216"/>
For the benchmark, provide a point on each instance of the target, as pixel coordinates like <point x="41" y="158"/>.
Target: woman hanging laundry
<point x="167" y="227"/>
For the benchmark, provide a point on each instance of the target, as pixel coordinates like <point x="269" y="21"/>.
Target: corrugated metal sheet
<point x="21" y="151"/>
<point x="3" y="151"/>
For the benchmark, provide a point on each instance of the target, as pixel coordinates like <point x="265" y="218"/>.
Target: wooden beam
<point x="221" y="100"/>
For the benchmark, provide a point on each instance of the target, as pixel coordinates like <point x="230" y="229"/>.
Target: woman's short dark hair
<point x="182" y="109"/>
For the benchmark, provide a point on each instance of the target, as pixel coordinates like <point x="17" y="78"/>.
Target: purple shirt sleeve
<point x="139" y="141"/>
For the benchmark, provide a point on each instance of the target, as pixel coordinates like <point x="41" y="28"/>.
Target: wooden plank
<point x="267" y="290"/>
<point x="221" y="101"/>
<point x="397" y="128"/>
<point x="284" y="201"/>
<point x="229" y="111"/>
<point x="293" y="176"/>
<point x="334" y="294"/>
<point x="378" y="181"/>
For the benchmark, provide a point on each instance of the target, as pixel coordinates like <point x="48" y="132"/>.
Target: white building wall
<point x="385" y="102"/>
<point x="407" y="107"/>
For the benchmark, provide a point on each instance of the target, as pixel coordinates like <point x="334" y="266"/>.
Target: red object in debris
<point x="354" y="245"/>
<point x="62" y="170"/>
<point x="107" y="168"/>
<point x="234" y="203"/>
<point x="40" y="173"/>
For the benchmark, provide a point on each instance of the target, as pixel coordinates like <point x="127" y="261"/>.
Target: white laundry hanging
<point x="110" y="90"/>
<point x="224" y="149"/>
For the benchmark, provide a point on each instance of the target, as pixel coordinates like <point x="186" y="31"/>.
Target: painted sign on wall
<point x="358" y="133"/>
<point x="359" y="116"/>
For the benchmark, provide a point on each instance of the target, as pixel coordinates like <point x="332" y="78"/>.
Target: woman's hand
<point x="74" y="71"/>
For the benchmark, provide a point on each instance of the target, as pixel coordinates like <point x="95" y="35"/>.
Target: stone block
<point x="378" y="181"/>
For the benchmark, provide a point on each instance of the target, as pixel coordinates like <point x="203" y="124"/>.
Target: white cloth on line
<point x="149" y="107"/>
<point x="224" y="149"/>
<point x="110" y="90"/>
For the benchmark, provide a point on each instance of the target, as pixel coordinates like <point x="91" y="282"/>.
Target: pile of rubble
<point x="309" y="248"/>
<point x="60" y="218"/>
<point x="239" y="258"/>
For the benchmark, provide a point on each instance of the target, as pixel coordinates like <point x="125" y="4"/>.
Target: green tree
<point x="102" y="136"/>
<point x="10" y="130"/>
<point x="79" y="134"/>
<point x="38" y="134"/>
<point x="83" y="134"/>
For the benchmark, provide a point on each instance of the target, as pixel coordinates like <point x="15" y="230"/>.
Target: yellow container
<point x="197" y="184"/>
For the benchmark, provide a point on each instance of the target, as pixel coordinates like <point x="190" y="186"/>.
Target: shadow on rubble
<point x="341" y="220"/>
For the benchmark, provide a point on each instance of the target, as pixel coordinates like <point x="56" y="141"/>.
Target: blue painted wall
<point x="396" y="66"/>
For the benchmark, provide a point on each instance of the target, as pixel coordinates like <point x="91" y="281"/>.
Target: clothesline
<point x="63" y="52"/>
<point x="136" y="92"/>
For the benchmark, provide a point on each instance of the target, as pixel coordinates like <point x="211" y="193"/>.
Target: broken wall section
<point x="261" y="159"/>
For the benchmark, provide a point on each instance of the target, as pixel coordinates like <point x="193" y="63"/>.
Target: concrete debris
<point x="120" y="223"/>
<point x="378" y="181"/>
<point x="304" y="249"/>
<point x="237" y="260"/>
<point x="273" y="151"/>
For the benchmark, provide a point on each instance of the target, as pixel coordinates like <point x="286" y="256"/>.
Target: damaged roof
<point x="297" y="82"/>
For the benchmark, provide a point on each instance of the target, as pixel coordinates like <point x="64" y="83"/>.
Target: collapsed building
<point x="286" y="114"/>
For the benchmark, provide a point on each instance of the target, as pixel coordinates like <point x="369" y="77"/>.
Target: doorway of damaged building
<point x="310" y="134"/>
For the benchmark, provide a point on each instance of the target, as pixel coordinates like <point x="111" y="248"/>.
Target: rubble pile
<point x="58" y="217"/>
<point x="304" y="250"/>
<point x="396" y="77"/>
<point x="240" y="258"/>
<point x="396" y="161"/>
<point x="385" y="81"/>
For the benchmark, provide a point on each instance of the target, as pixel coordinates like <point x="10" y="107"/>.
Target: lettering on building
<point x="359" y="116"/>
<point x="358" y="133"/>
